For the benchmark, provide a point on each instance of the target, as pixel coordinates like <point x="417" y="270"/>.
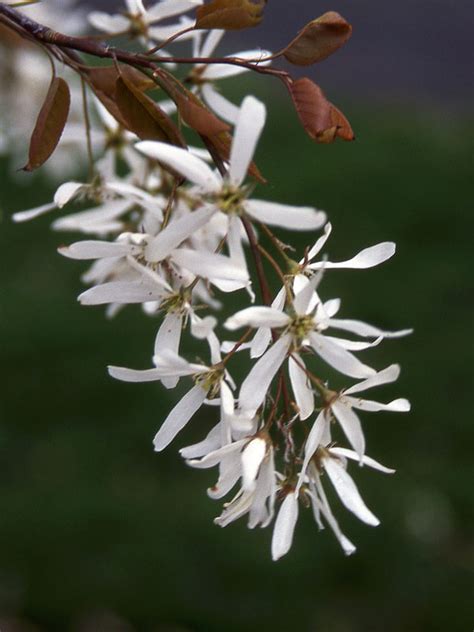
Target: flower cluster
<point x="177" y="229"/>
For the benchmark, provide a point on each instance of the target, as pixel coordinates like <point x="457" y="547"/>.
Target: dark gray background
<point x="403" y="51"/>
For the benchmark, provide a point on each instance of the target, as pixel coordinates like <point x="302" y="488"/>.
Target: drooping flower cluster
<point x="177" y="229"/>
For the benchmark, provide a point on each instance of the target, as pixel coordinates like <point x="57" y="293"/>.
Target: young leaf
<point x="197" y="116"/>
<point x="322" y="121"/>
<point x="318" y="39"/>
<point x="344" y="129"/>
<point x="229" y="14"/>
<point x="49" y="124"/>
<point x="143" y="116"/>
<point x="102" y="80"/>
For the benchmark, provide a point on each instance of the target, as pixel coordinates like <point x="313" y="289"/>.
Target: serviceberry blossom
<point x="138" y="20"/>
<point x="168" y="220"/>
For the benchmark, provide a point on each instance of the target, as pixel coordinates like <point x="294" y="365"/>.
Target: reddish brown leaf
<point x="229" y="14"/>
<point x="344" y="129"/>
<point x="102" y="80"/>
<point x="49" y="124"/>
<point x="322" y="121"/>
<point x="196" y="115"/>
<point x="143" y="116"/>
<point x="318" y="39"/>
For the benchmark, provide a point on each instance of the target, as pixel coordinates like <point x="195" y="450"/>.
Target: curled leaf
<point x="343" y="127"/>
<point x="322" y="121"/>
<point x="143" y="116"/>
<point x="318" y="39"/>
<point x="49" y="124"/>
<point x="102" y="81"/>
<point x="229" y="14"/>
<point x="195" y="114"/>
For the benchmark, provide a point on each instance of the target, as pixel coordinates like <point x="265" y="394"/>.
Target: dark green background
<point x="94" y="522"/>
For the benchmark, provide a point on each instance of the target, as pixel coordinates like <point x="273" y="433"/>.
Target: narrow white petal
<point x="388" y="375"/>
<point x="108" y="23"/>
<point x="150" y="274"/>
<point x="260" y="342"/>
<point x="131" y="192"/>
<point x="332" y="306"/>
<point x="192" y="168"/>
<point x="122" y="292"/>
<point x="214" y="458"/>
<point x="325" y="509"/>
<point x="176" y="232"/>
<point x="262" y="508"/>
<point x="350" y="423"/>
<point x="227" y="286"/>
<point x="348" y="492"/>
<point x="169" y="8"/>
<point x="25" y="216"/>
<point x="209" y="266"/>
<point x="202" y="328"/>
<point x="301" y="386"/>
<point x="235" y="509"/>
<point x="364" y="329"/>
<point x="255" y="386"/>
<point x="230" y="471"/>
<point x="366" y="460"/>
<point x="257" y="317"/>
<point x="169" y="334"/>
<point x="306" y="297"/>
<point x="234" y="241"/>
<point x="209" y="444"/>
<point x="134" y="375"/>
<point x="66" y="192"/>
<point x="367" y="258"/>
<point x="337" y="357"/>
<point x="212" y="41"/>
<point x="285" y="526"/>
<point x="223" y="71"/>
<point x="247" y="132"/>
<point x="284" y="215"/>
<point x="263" y="336"/>
<point x="397" y="405"/>
<point x="179" y="417"/>
<point x="313" y="441"/>
<point x="318" y="246"/>
<point x="227" y="400"/>
<point x="104" y="213"/>
<point x="219" y="104"/>
<point x="315" y="507"/>
<point x="252" y="457"/>
<point x="167" y="339"/>
<point x="98" y="250"/>
<point x="354" y="345"/>
<point x="135" y="6"/>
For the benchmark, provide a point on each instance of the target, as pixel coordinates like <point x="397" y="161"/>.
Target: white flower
<point x="227" y="195"/>
<point x="299" y="329"/>
<point x="209" y="382"/>
<point x="138" y="19"/>
<point x="206" y="74"/>
<point x="333" y="461"/>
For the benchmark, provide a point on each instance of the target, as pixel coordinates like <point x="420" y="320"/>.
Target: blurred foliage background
<point x="97" y="532"/>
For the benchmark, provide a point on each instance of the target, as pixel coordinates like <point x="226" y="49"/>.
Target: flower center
<point x="178" y="303"/>
<point x="300" y="327"/>
<point x="138" y="26"/>
<point x="229" y="200"/>
<point x="210" y="381"/>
